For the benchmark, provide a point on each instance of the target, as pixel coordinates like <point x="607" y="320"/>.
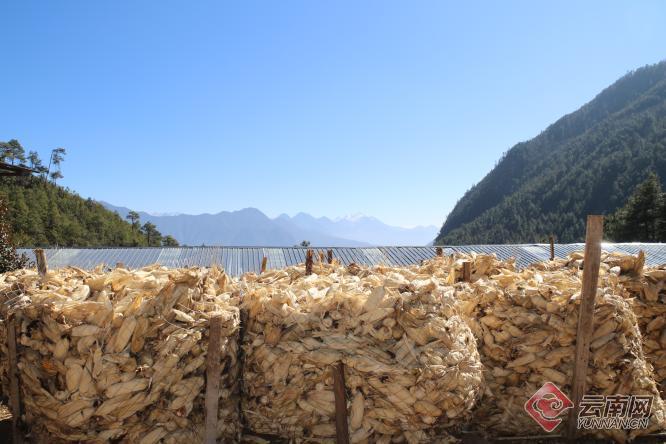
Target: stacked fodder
<point x="410" y="361"/>
<point x="449" y="269"/>
<point x="122" y="355"/>
<point x="526" y="325"/>
<point x="647" y="287"/>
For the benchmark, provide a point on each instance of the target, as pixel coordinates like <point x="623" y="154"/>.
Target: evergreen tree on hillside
<point x="641" y="218"/>
<point x="35" y="162"/>
<point x="134" y="219"/>
<point x="12" y="152"/>
<point x="169" y="241"/>
<point x="57" y="157"/>
<point x="153" y="237"/>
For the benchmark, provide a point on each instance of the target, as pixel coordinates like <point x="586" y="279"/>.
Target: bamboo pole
<point x="551" y="240"/>
<point x="308" y="262"/>
<point x="263" y="264"/>
<point x="213" y="370"/>
<point x="341" y="427"/>
<point x="41" y="262"/>
<point x="467" y="271"/>
<point x="595" y="227"/>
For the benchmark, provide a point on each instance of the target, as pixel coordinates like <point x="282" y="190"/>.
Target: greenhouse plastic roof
<point x="238" y="260"/>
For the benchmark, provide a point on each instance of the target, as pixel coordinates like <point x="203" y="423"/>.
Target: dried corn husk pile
<point x="526" y="324"/>
<point x="122" y="355"/>
<point x="410" y="361"/>
<point x="647" y="290"/>
<point x="647" y="287"/>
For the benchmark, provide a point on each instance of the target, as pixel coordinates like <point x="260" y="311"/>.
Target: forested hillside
<point x="588" y="162"/>
<point x="40" y="213"/>
<point x="44" y="214"/>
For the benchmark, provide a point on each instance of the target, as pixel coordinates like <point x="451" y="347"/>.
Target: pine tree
<point x="134" y="219"/>
<point x="12" y="151"/>
<point x="640" y="219"/>
<point x="153" y="236"/>
<point x="169" y="241"/>
<point x="661" y="223"/>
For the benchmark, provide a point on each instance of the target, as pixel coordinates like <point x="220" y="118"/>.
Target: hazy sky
<point x="392" y="109"/>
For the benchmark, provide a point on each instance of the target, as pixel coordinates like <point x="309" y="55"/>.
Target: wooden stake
<point x="213" y="369"/>
<point x="551" y="239"/>
<point x="595" y="227"/>
<point x="467" y="271"/>
<point x="263" y="264"/>
<point x="308" y="262"/>
<point x="41" y="262"/>
<point x="341" y="427"/>
<point x="14" y="392"/>
<point x="329" y="256"/>
<point x="439" y="252"/>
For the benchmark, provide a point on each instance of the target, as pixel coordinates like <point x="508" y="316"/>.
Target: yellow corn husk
<point x="124" y="334"/>
<point x="542" y="301"/>
<point x="395" y="331"/>
<point x="357" y="409"/>
<point x="101" y="350"/>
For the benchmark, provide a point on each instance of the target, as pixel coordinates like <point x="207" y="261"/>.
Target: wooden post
<point x="308" y="262"/>
<point x="41" y="262"/>
<point x="551" y="239"/>
<point x="213" y="369"/>
<point x="14" y="391"/>
<point x="595" y="227"/>
<point x="263" y="264"/>
<point x="467" y="271"/>
<point x="329" y="256"/>
<point x="341" y="427"/>
<point x="439" y="252"/>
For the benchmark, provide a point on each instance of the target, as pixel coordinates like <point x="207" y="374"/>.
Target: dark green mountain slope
<point x="587" y="162"/>
<point x="43" y="214"/>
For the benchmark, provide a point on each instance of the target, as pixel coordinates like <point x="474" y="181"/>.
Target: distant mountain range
<point x="588" y="162"/>
<point x="251" y="227"/>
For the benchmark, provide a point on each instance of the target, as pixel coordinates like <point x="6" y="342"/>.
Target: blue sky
<point x="392" y="109"/>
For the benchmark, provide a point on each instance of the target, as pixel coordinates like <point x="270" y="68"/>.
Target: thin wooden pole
<point x="308" y="262"/>
<point x="341" y="427"/>
<point x="41" y="262"/>
<point x="263" y="264"/>
<point x="329" y="256"/>
<point x="595" y="228"/>
<point x="467" y="271"/>
<point x="551" y="240"/>
<point x="14" y="392"/>
<point x="439" y="252"/>
<point x="213" y="369"/>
